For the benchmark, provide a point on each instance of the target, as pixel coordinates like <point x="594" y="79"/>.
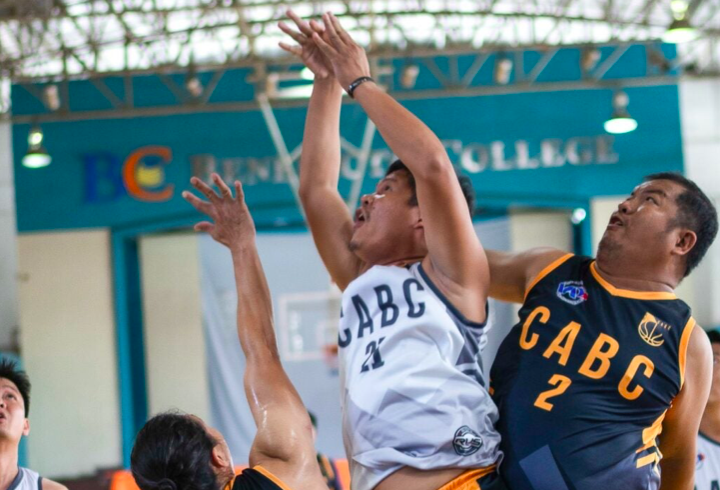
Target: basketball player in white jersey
<point x="415" y="412"/>
<point x="14" y="424"/>
<point x="707" y="469"/>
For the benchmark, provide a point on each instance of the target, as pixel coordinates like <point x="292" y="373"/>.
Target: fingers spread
<point x="204" y="226"/>
<point x="239" y="193"/>
<point x="331" y="32"/>
<point x="204" y="189"/>
<point x="342" y="34"/>
<point x="316" y="27"/>
<point x="300" y="38"/>
<point x="224" y="189"/>
<point x="296" y="50"/>
<point x="197" y="203"/>
<point x="301" y="24"/>
<point x="327" y="50"/>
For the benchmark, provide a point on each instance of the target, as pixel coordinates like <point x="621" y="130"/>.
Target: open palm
<point x="307" y="50"/>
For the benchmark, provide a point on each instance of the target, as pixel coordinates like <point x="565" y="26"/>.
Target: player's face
<point x="386" y="222"/>
<point x="13" y="424"/>
<point x="640" y="229"/>
<point x="715" y="388"/>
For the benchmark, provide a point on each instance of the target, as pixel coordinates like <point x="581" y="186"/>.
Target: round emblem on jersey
<point x="699" y="461"/>
<point x="572" y="292"/>
<point x="466" y="441"/>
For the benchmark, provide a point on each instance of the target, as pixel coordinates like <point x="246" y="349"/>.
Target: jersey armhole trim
<point x="450" y="306"/>
<point x="547" y="270"/>
<point x="39" y="482"/>
<point x="684" y="341"/>
<point x="271" y="477"/>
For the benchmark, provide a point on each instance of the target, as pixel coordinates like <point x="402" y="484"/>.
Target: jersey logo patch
<point x="466" y="441"/>
<point x="572" y="292"/>
<point x="651" y="330"/>
<point x="699" y="461"/>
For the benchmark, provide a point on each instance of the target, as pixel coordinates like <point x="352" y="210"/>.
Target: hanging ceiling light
<point x="620" y="122"/>
<point x="503" y="70"/>
<point x="680" y="30"/>
<point x="36" y="156"/>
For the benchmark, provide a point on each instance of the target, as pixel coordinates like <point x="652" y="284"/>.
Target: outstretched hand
<point x="348" y="59"/>
<point x="232" y="223"/>
<point x="307" y="50"/>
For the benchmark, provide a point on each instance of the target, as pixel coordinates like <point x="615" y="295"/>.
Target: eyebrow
<point x="656" y="191"/>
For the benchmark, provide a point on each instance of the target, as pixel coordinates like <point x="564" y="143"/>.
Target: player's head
<point x="714" y="337"/>
<point x="667" y="221"/>
<point x="14" y="402"/>
<point x="175" y="451"/>
<point x="388" y="222"/>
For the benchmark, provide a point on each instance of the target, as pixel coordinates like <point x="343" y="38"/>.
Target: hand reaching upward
<point x="232" y="224"/>
<point x="348" y="59"/>
<point x="307" y="50"/>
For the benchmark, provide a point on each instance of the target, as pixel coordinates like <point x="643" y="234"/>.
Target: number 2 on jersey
<point x="373" y="354"/>
<point x="561" y="384"/>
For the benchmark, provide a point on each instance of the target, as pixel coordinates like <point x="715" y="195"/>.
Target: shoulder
<point x="52" y="485"/>
<point x="542" y="261"/>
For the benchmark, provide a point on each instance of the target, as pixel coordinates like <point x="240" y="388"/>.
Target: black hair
<point x="714" y="336"/>
<point x="173" y="451"/>
<point x="465" y="185"/>
<point x="10" y="371"/>
<point x="313" y="419"/>
<point x="696" y="212"/>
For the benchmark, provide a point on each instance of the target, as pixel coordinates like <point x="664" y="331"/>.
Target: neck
<point x="636" y="277"/>
<point x="8" y="463"/>
<point x="710" y="423"/>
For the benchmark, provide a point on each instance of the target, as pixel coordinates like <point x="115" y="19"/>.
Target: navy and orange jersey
<point x="257" y="478"/>
<point x="584" y="380"/>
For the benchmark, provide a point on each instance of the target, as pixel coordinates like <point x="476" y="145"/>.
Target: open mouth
<point x="360" y="217"/>
<point x="615" y="221"/>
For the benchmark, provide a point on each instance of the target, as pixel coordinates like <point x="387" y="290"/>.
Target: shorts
<point x="479" y="479"/>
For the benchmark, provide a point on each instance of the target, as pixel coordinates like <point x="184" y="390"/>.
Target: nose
<point x="366" y="199"/>
<point x="625" y="207"/>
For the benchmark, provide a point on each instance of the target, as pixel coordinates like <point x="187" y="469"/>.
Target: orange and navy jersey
<point x="257" y="478"/>
<point x="584" y="380"/>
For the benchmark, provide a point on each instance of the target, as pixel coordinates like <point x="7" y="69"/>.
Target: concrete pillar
<point x="8" y="238"/>
<point x="700" y="117"/>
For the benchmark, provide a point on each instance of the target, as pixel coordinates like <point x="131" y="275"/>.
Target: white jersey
<point x="707" y="464"/>
<point x="26" y="480"/>
<point x="411" y="379"/>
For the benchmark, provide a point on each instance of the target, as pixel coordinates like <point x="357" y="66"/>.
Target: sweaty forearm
<point x="678" y="473"/>
<point x="406" y="135"/>
<point x="320" y="160"/>
<point x="254" y="310"/>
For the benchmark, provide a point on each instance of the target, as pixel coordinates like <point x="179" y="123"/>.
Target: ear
<point x="417" y="219"/>
<point x="684" y="242"/>
<point x="219" y="459"/>
<point x="26" y="428"/>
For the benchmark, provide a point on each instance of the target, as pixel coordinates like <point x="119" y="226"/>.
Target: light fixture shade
<point x="620" y="124"/>
<point x="36" y="158"/>
<point x="680" y="31"/>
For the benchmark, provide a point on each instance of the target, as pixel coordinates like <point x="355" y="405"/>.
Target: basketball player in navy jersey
<point x="602" y="383"/>
<point x="707" y="464"/>
<point x="415" y="412"/>
<point x="176" y="451"/>
<point x="14" y="424"/>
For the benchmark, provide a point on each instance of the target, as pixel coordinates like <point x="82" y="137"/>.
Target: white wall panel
<point x="68" y="347"/>
<point x="175" y="363"/>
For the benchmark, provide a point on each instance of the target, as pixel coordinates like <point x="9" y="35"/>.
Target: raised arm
<point x="512" y="274"/>
<point x="454" y="249"/>
<point x="284" y="439"/>
<point x="327" y="215"/>
<point x="682" y="422"/>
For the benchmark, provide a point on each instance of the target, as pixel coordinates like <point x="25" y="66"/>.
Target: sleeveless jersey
<point x="26" y="480"/>
<point x="257" y="478"/>
<point x="411" y="379"/>
<point x="707" y="464"/>
<point x="584" y="380"/>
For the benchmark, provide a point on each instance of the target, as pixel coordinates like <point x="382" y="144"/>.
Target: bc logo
<point x="466" y="441"/>
<point x="141" y="175"/>
<point x="572" y="292"/>
<point x="651" y="330"/>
